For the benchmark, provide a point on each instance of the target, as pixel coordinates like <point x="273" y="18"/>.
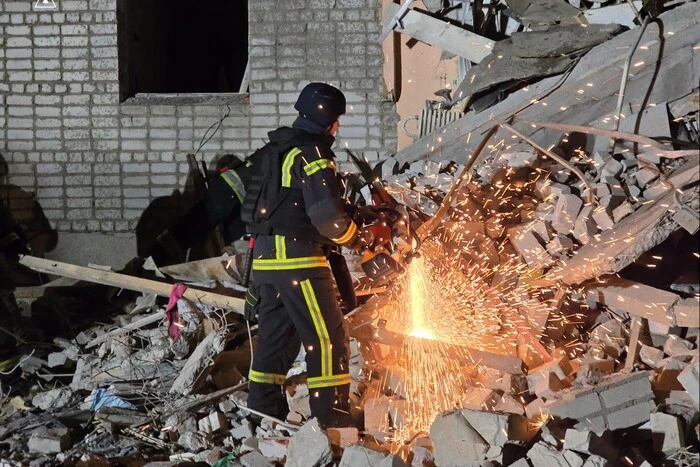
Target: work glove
<point x="252" y="305"/>
<point x="362" y="241"/>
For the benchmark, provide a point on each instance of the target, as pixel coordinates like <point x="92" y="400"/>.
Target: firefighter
<point x="221" y="206"/>
<point x="12" y="243"/>
<point x="295" y="212"/>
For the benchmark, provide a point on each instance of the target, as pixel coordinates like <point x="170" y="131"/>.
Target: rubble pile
<point x="576" y="250"/>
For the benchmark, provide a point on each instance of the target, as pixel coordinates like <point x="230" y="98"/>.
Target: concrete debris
<point x="456" y="442"/>
<point x="309" y="447"/>
<point x="690" y="379"/>
<point x="667" y="432"/>
<point x="49" y="440"/>
<point x="359" y="456"/>
<point x="54" y="399"/>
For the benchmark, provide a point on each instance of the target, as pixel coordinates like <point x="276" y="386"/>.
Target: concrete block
<point x="525" y="243"/>
<point x="508" y="404"/>
<point x="535" y="409"/>
<point x="597" y="461"/>
<point x="544" y="455"/>
<point x="603" y="219"/>
<point x="343" y="437"/>
<point x="667" y="432"/>
<point x="560" y="246"/>
<point x="622" y="211"/>
<point x="574" y="459"/>
<point x="360" y="456"/>
<point x="645" y="176"/>
<point x="578" y="405"/>
<point x="49" y="440"/>
<point x="565" y="213"/>
<point x="687" y="312"/>
<point x="479" y="399"/>
<point x="690" y="380"/>
<point x="271" y="449"/>
<point x="309" y="447"/>
<point x="627" y="417"/>
<point x="547" y="188"/>
<point x="376" y="414"/>
<point x="579" y="441"/>
<point x="651" y="356"/>
<point x="676" y="346"/>
<point x="456" y="442"/>
<point x="54" y="399"/>
<point x="215" y="421"/>
<point x="585" y="226"/>
<point x="623" y="389"/>
<point x="254" y="459"/>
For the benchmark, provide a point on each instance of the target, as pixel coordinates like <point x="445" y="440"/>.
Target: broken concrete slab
<point x="667" y="432"/>
<point x="456" y="442"/>
<point x="555" y="41"/>
<point x="676" y="346"/>
<point x="619" y="14"/>
<point x="636" y="299"/>
<point x="254" y="459"/>
<point x="542" y="454"/>
<point x="197" y="362"/>
<point x="687" y="312"/>
<point x="376" y="414"/>
<point x="49" y="440"/>
<point x="309" y="447"/>
<point x="53" y="400"/>
<point x="585" y="226"/>
<point x="690" y="380"/>
<point x="525" y="243"/>
<point x="479" y="399"/>
<point x="360" y="456"/>
<point x="441" y="34"/>
<point x="651" y="356"/>
<point x="497" y="428"/>
<point x="343" y="437"/>
<point x="212" y="423"/>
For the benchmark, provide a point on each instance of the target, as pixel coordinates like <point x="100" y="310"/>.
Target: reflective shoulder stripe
<point x="287" y="167"/>
<point x="290" y="263"/>
<point x="235" y="182"/>
<point x="320" y="164"/>
<point x="347" y="236"/>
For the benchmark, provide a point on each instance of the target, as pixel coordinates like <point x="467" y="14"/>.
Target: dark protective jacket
<point x="220" y="206"/>
<point x="311" y="219"/>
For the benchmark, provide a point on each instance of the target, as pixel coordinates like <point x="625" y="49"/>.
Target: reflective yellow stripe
<point x="347" y="236"/>
<point x="287" y="167"/>
<point x="320" y="164"/>
<point x="266" y="378"/>
<point x="280" y="247"/>
<point x="327" y="381"/>
<point x="320" y="325"/>
<point x="235" y="182"/>
<point x="290" y="263"/>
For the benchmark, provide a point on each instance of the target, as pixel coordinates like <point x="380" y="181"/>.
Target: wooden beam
<point x="633" y="348"/>
<point x="132" y="283"/>
<point x="440" y="34"/>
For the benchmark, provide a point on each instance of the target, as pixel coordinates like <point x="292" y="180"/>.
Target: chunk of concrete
<point x="456" y="442"/>
<point x="360" y="456"/>
<point x="566" y="211"/>
<point x="546" y="188"/>
<point x="214" y="422"/>
<point x="526" y="244"/>
<point x="645" y="176"/>
<point x="596" y="461"/>
<point x="667" y="432"/>
<point x="687" y="312"/>
<point x="690" y="380"/>
<point x="193" y="442"/>
<point x="585" y="226"/>
<point x="579" y="441"/>
<point x="202" y="356"/>
<point x="560" y="246"/>
<point x="544" y="455"/>
<point x="376" y="414"/>
<point x="53" y="400"/>
<point x="626" y="296"/>
<point x="49" y="440"/>
<point x="421" y="456"/>
<point x="651" y="356"/>
<point x="603" y="218"/>
<point x="309" y="447"/>
<point x="271" y="449"/>
<point x="622" y="211"/>
<point x="479" y="399"/>
<point x="343" y="437"/>
<point x="508" y="404"/>
<point x="677" y="346"/>
<point x="254" y="459"/>
<point x="573" y="458"/>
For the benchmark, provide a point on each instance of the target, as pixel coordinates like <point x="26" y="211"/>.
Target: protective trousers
<point x="302" y="312"/>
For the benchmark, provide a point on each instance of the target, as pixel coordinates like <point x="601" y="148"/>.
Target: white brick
<point x="74" y="30"/>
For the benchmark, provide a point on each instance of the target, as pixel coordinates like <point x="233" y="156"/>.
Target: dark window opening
<point x="182" y="46"/>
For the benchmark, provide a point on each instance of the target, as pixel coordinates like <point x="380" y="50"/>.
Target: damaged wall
<point x="95" y="163"/>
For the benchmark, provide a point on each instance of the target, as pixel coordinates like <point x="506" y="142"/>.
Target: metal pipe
<point x="623" y="83"/>
<point x="565" y="163"/>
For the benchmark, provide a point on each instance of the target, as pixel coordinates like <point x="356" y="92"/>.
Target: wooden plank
<point x="132" y="283"/>
<point x="633" y="348"/>
<point x="441" y="34"/>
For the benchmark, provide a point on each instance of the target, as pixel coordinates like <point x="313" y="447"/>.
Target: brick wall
<point x="95" y="163"/>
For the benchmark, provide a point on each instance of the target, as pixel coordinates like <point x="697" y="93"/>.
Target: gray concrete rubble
<point x="556" y="317"/>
